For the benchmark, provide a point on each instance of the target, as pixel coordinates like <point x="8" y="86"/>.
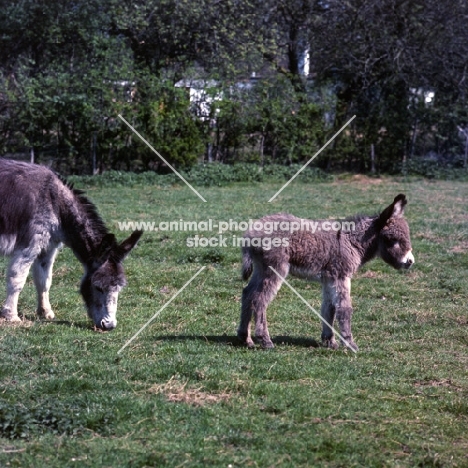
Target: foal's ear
<point x="395" y="210"/>
<point x="127" y="245"/>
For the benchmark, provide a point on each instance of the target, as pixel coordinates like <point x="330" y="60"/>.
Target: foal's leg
<point x="17" y="273"/>
<point x="256" y="296"/>
<point x="328" y="314"/>
<point x="341" y="290"/>
<point x="42" y="274"/>
<point x="248" y="294"/>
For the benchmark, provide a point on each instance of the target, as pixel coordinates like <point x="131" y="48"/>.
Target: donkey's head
<point x="394" y="235"/>
<point x="104" y="278"/>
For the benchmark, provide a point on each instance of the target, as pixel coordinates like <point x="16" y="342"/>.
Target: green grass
<point x="183" y="393"/>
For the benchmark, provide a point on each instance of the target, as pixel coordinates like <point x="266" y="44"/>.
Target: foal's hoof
<point x="265" y="343"/>
<point x="329" y="343"/>
<point x="246" y="340"/>
<point x="350" y="344"/>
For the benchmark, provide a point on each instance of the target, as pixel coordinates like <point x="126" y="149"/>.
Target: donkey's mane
<point x="88" y="207"/>
<point x="91" y="211"/>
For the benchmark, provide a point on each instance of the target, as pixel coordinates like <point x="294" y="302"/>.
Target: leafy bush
<point x="309" y="174"/>
<point x="222" y="174"/>
<point x="432" y="169"/>
<point x="169" y="122"/>
<point x="123" y="179"/>
<point x="207" y="175"/>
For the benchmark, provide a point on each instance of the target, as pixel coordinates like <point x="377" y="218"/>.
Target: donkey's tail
<point x="247" y="265"/>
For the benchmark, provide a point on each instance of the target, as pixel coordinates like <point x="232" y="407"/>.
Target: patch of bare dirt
<point x="447" y="383"/>
<point x="24" y="323"/>
<point x="179" y="392"/>
<point x="371" y="274"/>
<point x="462" y="247"/>
<point x="361" y="179"/>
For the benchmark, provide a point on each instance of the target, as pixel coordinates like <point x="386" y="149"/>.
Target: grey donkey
<point x="38" y="213"/>
<point x="314" y="251"/>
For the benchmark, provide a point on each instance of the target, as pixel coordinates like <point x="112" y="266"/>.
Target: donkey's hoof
<point x="9" y="316"/>
<point x="45" y="314"/>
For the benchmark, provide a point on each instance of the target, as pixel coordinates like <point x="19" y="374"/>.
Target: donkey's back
<point x="27" y="211"/>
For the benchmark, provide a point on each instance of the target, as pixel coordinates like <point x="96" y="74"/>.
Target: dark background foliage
<point x="69" y="68"/>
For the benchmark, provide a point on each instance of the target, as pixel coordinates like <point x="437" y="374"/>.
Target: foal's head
<point x="394" y="235"/>
<point x="104" y="278"/>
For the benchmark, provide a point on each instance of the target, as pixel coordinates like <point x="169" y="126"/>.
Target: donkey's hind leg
<point x="243" y="332"/>
<point x="261" y="290"/>
<point x="17" y="273"/>
<point x="250" y="296"/>
<point x="42" y="273"/>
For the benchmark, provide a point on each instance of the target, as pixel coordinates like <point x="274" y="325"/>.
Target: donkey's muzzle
<point x="108" y="324"/>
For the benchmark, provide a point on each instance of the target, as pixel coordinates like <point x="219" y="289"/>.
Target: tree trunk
<point x="372" y="157"/>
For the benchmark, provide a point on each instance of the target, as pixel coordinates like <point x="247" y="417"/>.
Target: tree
<point x="375" y="52"/>
<point x="176" y="133"/>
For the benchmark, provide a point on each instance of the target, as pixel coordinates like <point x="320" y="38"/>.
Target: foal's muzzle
<point x="408" y="261"/>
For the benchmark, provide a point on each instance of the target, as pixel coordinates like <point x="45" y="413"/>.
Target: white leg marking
<point x="16" y="277"/>
<point x="42" y="273"/>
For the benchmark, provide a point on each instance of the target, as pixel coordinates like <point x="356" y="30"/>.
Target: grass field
<point x="185" y="394"/>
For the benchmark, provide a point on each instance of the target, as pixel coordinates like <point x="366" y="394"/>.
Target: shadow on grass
<point x="66" y="323"/>
<point x="232" y="340"/>
<point x="27" y="322"/>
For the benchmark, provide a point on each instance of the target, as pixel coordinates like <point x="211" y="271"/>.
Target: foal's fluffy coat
<point x="329" y="256"/>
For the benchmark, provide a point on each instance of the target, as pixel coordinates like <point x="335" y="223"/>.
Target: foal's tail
<point x="247" y="265"/>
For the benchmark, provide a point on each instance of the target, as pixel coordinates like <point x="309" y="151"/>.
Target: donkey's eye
<point x="98" y="289"/>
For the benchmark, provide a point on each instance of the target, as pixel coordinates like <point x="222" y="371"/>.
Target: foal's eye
<point x="98" y="289"/>
<point x="392" y="243"/>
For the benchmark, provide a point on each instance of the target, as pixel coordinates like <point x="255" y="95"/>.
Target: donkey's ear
<point x="395" y="210"/>
<point x="107" y="244"/>
<point x="127" y="245"/>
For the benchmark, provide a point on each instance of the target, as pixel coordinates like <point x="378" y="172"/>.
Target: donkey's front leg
<point x="17" y="273"/>
<point x="344" y="311"/>
<point x="42" y="273"/>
